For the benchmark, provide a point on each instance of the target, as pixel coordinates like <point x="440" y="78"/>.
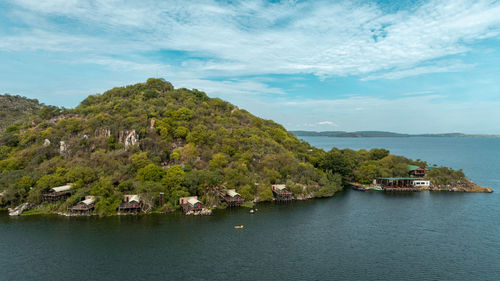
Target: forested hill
<point x="150" y="138"/>
<point x="16" y="109"/>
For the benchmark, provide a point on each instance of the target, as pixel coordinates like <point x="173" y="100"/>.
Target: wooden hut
<point x="131" y="204"/>
<point x="190" y="204"/>
<point x="233" y="198"/>
<point x="416" y="171"/>
<point x="281" y="193"/>
<point x="57" y="193"/>
<point x="83" y="207"/>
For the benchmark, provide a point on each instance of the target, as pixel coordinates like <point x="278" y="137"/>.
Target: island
<point x="152" y="148"/>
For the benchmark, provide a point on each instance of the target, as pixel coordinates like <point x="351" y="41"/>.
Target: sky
<point x="405" y="66"/>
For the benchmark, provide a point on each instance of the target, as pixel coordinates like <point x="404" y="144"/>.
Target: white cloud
<point x="259" y="38"/>
<point x="329" y="123"/>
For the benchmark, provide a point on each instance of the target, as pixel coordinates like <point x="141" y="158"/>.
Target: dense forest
<point x="149" y="138"/>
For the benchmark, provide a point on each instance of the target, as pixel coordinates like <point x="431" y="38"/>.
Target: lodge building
<point x="57" y="193"/>
<point x="281" y="193"/>
<point x="233" y="198"/>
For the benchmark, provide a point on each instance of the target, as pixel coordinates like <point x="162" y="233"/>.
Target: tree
<point x="181" y="132"/>
<point x="189" y="153"/>
<point x="174" y="178"/>
<point x="151" y="172"/>
<point x="378" y="153"/>
<point x="366" y="173"/>
<point x="218" y="161"/>
<point x="140" y="160"/>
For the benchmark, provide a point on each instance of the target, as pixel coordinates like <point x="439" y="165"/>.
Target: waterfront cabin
<point x="402" y="184"/>
<point x="83" y="207"/>
<point x="190" y="204"/>
<point x="396" y="184"/>
<point x="281" y="193"/>
<point x="233" y="198"/>
<point x="131" y="204"/>
<point x="57" y="193"/>
<point x="416" y="171"/>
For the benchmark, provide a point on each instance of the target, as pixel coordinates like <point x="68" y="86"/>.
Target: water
<point x="352" y="236"/>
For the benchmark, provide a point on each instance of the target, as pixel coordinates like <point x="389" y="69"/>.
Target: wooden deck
<point x="188" y="208"/>
<point x="127" y="207"/>
<point x="283" y="196"/>
<point x="54" y="197"/>
<point x="84" y="209"/>
<point x="233" y="202"/>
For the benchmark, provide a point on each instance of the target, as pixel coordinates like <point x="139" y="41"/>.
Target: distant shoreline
<point x="382" y="134"/>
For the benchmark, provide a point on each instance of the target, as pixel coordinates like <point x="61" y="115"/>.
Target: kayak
<point x="238" y="226"/>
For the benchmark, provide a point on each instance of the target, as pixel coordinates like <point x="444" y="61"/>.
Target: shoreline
<point x="33" y="211"/>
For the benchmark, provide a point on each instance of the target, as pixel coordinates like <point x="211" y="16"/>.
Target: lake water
<point x="352" y="236"/>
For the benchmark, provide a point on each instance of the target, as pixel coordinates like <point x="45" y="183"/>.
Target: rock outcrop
<point x="17" y="211"/>
<point x="103" y="132"/>
<point x="63" y="148"/>
<point x="128" y="138"/>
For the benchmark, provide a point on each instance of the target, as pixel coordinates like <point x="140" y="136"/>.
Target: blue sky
<point x="404" y="66"/>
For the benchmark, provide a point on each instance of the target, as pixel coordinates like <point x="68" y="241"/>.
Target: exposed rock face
<point x="128" y="138"/>
<point x="103" y="132"/>
<point x="46" y="142"/>
<point x="63" y="147"/>
<point x="17" y="211"/>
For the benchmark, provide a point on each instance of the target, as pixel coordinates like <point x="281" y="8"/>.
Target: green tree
<point x="174" y="178"/>
<point x="219" y="160"/>
<point x="140" y="160"/>
<point x="151" y="172"/>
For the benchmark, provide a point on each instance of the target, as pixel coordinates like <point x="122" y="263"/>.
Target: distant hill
<point x="379" y="134"/>
<point x="15" y="109"/>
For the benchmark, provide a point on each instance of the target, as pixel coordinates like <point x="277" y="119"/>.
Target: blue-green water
<point x="352" y="236"/>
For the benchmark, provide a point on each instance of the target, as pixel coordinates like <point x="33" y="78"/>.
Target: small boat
<point x="238" y="226"/>
<point x="378" y="188"/>
<point x="357" y="186"/>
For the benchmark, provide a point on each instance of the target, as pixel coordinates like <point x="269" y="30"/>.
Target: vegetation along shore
<point x="149" y="148"/>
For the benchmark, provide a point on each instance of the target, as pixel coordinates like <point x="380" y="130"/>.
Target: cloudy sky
<point x="412" y="67"/>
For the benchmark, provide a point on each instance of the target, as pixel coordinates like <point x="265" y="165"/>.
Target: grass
<point x="248" y="204"/>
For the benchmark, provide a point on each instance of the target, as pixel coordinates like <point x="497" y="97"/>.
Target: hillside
<point x="150" y="138"/>
<point x="15" y="109"/>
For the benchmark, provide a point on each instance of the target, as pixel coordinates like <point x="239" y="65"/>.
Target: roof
<point x="135" y="198"/>
<point x="89" y="200"/>
<point x="413" y="167"/>
<point x="232" y="193"/>
<point x="62" y="188"/>
<point x="193" y="201"/>
<point x="279" y="186"/>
